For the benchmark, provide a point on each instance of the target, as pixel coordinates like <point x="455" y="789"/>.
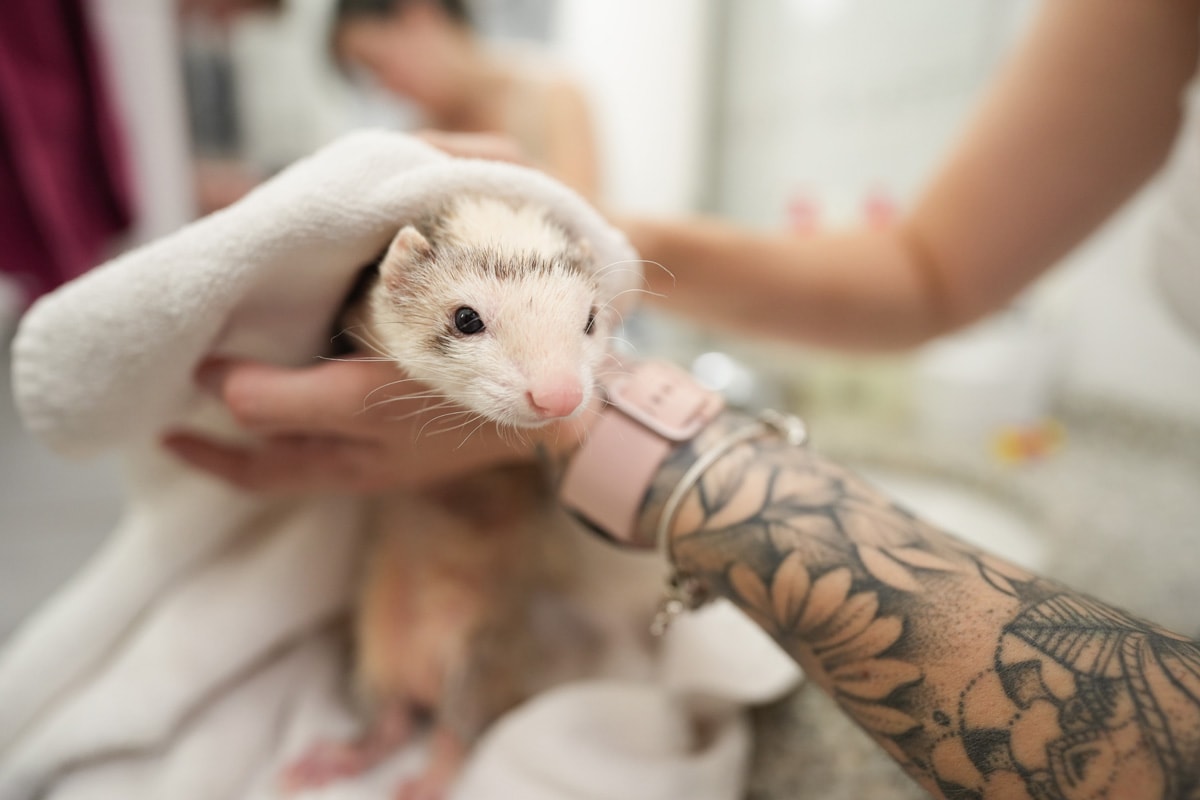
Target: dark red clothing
<point x="64" y="186"/>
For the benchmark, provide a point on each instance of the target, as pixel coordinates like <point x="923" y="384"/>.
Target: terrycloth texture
<point x="202" y="648"/>
<point x="64" y="189"/>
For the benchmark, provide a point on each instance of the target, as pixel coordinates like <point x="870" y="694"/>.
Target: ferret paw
<point x="326" y="763"/>
<point x="429" y="786"/>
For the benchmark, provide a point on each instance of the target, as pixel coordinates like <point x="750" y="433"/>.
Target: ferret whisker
<point x="613" y="357"/>
<point x="522" y="436"/>
<point x="387" y="385"/>
<point x="415" y="396"/>
<point x="643" y="261"/>
<point x="605" y="372"/>
<point x="626" y="342"/>
<point x="422" y="410"/>
<point x="503" y="434"/>
<point x="474" y="416"/>
<point x="634" y="290"/>
<point x="648" y="293"/>
<point x="612" y="265"/>
<point x="454" y="413"/>
<point x="426" y="395"/>
<point x="353" y="359"/>
<point x="611" y="270"/>
<point x="442" y="401"/>
<point x="580" y="436"/>
<point x="419" y="412"/>
<point x="353" y="331"/>
<point x="421" y="432"/>
<point x="482" y="422"/>
<point x="620" y="318"/>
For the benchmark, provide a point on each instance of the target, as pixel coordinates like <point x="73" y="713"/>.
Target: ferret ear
<point x="408" y="246"/>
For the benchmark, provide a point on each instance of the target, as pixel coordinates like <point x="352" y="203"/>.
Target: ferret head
<point x="500" y="312"/>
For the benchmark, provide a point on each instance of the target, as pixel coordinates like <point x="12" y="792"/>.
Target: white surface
<point x="997" y="374"/>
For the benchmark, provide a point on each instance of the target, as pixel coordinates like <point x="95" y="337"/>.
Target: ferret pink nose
<point x="553" y="400"/>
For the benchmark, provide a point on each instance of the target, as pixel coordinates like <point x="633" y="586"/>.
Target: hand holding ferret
<point x="345" y="426"/>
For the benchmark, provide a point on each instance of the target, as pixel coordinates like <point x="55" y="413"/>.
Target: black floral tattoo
<point x="982" y="680"/>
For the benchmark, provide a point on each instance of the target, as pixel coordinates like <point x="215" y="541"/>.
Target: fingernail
<point x="210" y="375"/>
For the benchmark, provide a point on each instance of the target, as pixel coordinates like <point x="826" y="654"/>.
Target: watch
<point x="650" y="411"/>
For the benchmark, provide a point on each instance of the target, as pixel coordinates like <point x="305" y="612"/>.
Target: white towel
<point x="198" y="652"/>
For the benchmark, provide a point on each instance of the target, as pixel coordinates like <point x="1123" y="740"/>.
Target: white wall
<point x="833" y="100"/>
<point x="647" y="68"/>
<point x="139" y="41"/>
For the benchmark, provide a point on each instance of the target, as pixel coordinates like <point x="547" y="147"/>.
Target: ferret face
<point x="514" y="333"/>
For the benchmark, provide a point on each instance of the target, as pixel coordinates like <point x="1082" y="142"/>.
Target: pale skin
<point x="973" y="674"/>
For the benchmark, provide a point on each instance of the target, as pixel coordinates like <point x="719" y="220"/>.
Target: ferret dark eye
<point x="590" y="328"/>
<point x="467" y="320"/>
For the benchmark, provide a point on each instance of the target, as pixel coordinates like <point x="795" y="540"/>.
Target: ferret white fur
<point x="468" y="599"/>
<point x="537" y="357"/>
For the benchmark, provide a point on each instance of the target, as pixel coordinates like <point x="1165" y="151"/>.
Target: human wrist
<point x="673" y="507"/>
<point x="662" y="431"/>
<point x="651" y="407"/>
<point x="688" y="516"/>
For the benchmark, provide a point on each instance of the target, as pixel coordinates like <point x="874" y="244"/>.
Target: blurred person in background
<point x="65" y="192"/>
<point x="427" y="52"/>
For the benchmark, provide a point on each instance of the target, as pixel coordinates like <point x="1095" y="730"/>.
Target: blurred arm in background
<point x="1083" y="114"/>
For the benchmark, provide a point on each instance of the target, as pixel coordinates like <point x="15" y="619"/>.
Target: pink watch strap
<point x="650" y="410"/>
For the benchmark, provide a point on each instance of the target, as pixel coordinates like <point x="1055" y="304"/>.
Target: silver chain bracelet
<point x="685" y="592"/>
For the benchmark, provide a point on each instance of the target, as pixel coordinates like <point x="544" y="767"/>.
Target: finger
<point x="230" y="464"/>
<point x="283" y="463"/>
<point x="327" y="398"/>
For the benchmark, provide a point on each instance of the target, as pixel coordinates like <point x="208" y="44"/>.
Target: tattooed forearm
<point x="982" y="680"/>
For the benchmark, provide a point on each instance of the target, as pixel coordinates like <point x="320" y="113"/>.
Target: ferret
<point x="464" y="607"/>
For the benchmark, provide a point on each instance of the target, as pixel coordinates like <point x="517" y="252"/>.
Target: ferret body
<point x="465" y="602"/>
